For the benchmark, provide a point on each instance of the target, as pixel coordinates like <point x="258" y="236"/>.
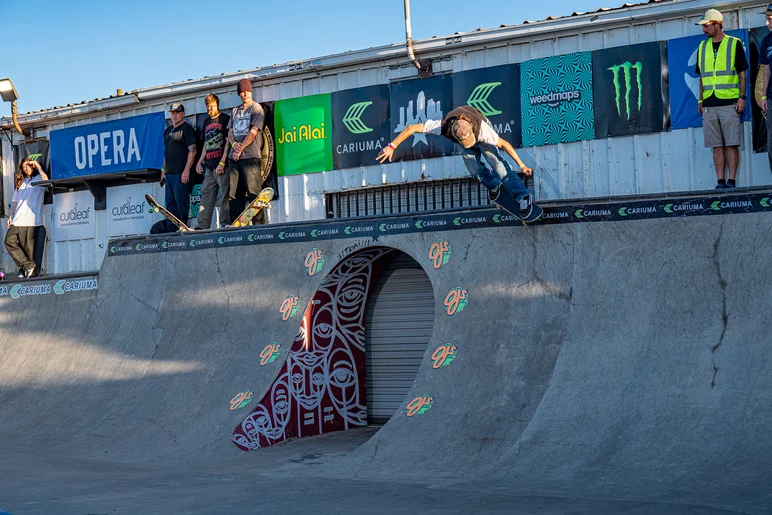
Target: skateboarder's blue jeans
<point x="498" y="171"/>
<point x="178" y="196"/>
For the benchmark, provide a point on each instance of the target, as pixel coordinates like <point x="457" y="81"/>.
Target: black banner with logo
<point x="375" y="228"/>
<point x="268" y="161"/>
<point x="630" y="90"/>
<point x="496" y="93"/>
<point x="360" y="126"/>
<point x="36" y="150"/>
<point x="415" y="101"/>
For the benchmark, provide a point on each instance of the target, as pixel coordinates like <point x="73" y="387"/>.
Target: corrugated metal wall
<point x="668" y="161"/>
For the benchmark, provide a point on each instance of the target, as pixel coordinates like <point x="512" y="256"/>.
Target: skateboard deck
<point x="506" y="202"/>
<point x="253" y="209"/>
<point x="155" y="207"/>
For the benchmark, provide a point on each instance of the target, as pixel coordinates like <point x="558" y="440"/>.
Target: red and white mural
<point x="321" y="387"/>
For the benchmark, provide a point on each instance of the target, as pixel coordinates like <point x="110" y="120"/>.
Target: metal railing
<point x="407" y="197"/>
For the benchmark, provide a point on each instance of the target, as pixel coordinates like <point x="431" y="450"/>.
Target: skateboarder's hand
<point x="8" y="223"/>
<point x="526" y="170"/>
<point x="219" y="170"/>
<point x="238" y="148"/>
<point x="764" y="105"/>
<point x="386" y="153"/>
<point x="199" y="169"/>
<point x="236" y="155"/>
<point x="185" y="177"/>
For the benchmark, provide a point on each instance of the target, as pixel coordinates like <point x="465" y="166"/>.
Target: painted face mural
<point x="321" y="386"/>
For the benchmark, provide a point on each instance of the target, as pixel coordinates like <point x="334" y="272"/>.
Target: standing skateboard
<point x="253" y="209"/>
<point x="505" y="201"/>
<point x="155" y="207"/>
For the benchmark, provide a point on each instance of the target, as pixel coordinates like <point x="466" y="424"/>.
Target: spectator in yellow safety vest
<point x="721" y="65"/>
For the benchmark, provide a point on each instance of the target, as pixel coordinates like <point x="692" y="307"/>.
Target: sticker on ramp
<point x="289" y="307"/>
<point x="419" y="405"/>
<point x="444" y="355"/>
<point x="269" y="353"/>
<point x="241" y="399"/>
<point x="439" y="253"/>
<point x="455" y="301"/>
<point x="314" y="262"/>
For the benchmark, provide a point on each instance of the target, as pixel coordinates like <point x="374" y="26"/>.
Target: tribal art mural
<point x="321" y="387"/>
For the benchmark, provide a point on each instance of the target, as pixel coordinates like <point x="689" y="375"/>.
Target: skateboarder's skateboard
<point x="155" y="207"/>
<point x="253" y="209"/>
<point x="506" y="202"/>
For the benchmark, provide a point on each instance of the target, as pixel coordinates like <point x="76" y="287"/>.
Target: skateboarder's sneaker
<point x="721" y="186"/>
<point x="493" y="195"/>
<point x="526" y="206"/>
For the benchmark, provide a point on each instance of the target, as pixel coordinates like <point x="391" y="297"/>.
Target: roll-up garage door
<point x="399" y="322"/>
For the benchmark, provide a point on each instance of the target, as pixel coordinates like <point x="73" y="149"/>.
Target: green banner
<point x="303" y="132"/>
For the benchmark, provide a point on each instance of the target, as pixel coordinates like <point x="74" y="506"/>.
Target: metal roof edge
<point x="430" y="48"/>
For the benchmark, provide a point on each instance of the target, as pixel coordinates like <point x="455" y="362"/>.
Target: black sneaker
<point x="720" y="186"/>
<point x="526" y="206"/>
<point x="493" y="195"/>
<point x="729" y="185"/>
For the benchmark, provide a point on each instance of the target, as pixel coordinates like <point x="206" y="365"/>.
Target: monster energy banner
<point x="629" y="84"/>
<point x="360" y="126"/>
<point x="557" y="99"/>
<point x="473" y="219"/>
<point x="415" y="101"/>
<point x="496" y="93"/>
<point x="36" y="150"/>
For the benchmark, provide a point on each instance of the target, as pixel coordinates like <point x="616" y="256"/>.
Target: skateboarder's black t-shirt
<point x="176" y="143"/>
<point x="214" y="133"/>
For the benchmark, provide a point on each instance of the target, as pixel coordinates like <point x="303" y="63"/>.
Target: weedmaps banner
<point x="685" y="83"/>
<point x="415" y="101"/>
<point x="360" y="125"/>
<point x="557" y="99"/>
<point x="629" y="85"/>
<point x="496" y="93"/>
<point x="303" y="134"/>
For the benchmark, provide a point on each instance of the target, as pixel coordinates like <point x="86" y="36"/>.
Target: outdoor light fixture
<point x="9" y="94"/>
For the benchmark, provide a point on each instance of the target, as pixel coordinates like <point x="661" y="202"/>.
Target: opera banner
<point x="685" y="83"/>
<point x="496" y="93"/>
<point x="303" y="134"/>
<point x="416" y="101"/>
<point x="557" y="99"/>
<point x="630" y="89"/>
<point x="360" y="125"/>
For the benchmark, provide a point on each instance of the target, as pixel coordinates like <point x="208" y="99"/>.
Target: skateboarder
<point x="468" y="127"/>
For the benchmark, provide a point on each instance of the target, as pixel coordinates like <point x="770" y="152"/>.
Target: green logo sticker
<point x="479" y="98"/>
<point x="625" y="69"/>
<point x="353" y="118"/>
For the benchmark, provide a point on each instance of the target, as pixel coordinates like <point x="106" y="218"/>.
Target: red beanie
<point x="243" y="85"/>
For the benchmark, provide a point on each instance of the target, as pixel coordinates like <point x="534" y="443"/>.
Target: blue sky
<point x="65" y="51"/>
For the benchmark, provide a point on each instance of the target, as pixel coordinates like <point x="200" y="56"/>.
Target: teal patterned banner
<point x="557" y="102"/>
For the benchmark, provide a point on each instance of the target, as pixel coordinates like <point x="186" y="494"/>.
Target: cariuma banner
<point x="303" y="133"/>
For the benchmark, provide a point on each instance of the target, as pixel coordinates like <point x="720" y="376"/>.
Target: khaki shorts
<point x="721" y="126"/>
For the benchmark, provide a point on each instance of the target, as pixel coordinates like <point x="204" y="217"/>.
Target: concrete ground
<point x="603" y="368"/>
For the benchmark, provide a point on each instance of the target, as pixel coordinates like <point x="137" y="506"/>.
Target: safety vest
<point x="719" y="75"/>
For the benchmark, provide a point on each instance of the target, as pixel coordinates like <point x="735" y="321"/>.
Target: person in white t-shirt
<point x="26" y="216"/>
<point x="468" y="127"/>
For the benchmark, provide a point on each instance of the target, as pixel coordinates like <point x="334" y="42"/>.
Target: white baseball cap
<point x="710" y="16"/>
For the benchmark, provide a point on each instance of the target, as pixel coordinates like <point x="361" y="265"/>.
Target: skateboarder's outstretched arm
<point x="509" y="149"/>
<point x="388" y="151"/>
